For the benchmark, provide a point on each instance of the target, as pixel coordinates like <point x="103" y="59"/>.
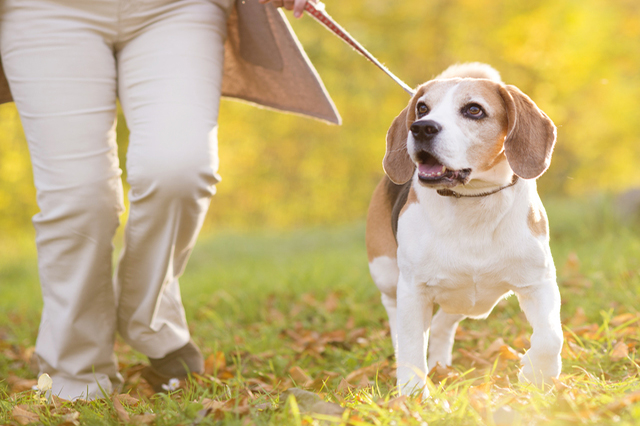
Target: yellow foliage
<point x="578" y="60"/>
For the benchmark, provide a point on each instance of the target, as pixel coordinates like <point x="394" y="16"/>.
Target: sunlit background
<point x="578" y="60"/>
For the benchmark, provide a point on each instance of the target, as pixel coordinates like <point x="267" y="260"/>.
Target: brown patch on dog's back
<point x="386" y="206"/>
<point x="379" y="237"/>
<point x="410" y="198"/>
<point x="537" y="221"/>
<point x="405" y="195"/>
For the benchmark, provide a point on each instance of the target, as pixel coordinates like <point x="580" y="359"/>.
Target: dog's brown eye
<point x="474" y="111"/>
<point x="422" y="110"/>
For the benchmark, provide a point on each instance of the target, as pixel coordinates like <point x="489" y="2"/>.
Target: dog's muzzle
<point x="431" y="171"/>
<point x="425" y="130"/>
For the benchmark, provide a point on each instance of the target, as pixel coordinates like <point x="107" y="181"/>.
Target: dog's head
<point x="463" y="125"/>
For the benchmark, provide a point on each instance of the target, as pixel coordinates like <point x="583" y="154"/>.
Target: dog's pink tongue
<point x="432" y="166"/>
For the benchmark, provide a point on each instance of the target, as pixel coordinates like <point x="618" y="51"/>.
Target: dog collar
<point x="450" y="193"/>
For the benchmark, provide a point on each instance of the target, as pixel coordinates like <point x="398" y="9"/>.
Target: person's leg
<point x="169" y="86"/>
<point x="62" y="76"/>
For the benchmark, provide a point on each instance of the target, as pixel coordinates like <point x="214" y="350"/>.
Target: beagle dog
<point x="457" y="221"/>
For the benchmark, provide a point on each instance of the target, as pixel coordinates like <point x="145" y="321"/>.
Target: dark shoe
<point x="176" y="365"/>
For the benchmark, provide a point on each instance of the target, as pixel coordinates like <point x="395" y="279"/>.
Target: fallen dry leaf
<point x="483" y="387"/>
<point x="120" y="410"/>
<point x="439" y="372"/>
<point x="22" y="415"/>
<point x="309" y="299"/>
<point x="559" y="385"/>
<point x="363" y="383"/>
<point x="18" y="384"/>
<point x="357" y="333"/>
<point x="585" y="330"/>
<point x="619" y="351"/>
<point x="351" y="323"/>
<point x="479" y="400"/>
<point x="26" y="354"/>
<point x="332" y="302"/>
<point x="306" y="341"/>
<point x="366" y="372"/>
<point x="128" y="399"/>
<point x="299" y="376"/>
<point x="143" y="419"/>
<point x="334" y="336"/>
<point x="625" y="401"/>
<point x="214" y="363"/>
<point x="626" y="318"/>
<point x="217" y="409"/>
<point x="321" y="380"/>
<point x="508" y="353"/>
<point x="522" y="341"/>
<point x="572" y="264"/>
<point x="70" y="419"/>
<point x="577" y="283"/>
<point x="56" y="401"/>
<point x="572" y="278"/>
<point x="474" y="357"/>
<point x="579" y="317"/>
<point x="310" y="403"/>
<point x="200" y="415"/>
<point x="572" y="350"/>
<point x="345" y="386"/>
<point x="209" y="406"/>
<point x="397" y="404"/>
<point x="258" y="385"/>
<point x="463" y="334"/>
<point x="275" y="315"/>
<point x="493" y="348"/>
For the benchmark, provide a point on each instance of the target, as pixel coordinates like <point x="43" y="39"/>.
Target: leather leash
<point x="317" y="10"/>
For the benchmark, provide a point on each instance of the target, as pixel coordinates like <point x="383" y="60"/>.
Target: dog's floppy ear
<point x="531" y="135"/>
<point x="396" y="163"/>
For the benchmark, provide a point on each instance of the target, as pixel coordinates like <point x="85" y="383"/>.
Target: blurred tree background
<point x="578" y="59"/>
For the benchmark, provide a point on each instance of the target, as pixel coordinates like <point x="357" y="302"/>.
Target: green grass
<point x="275" y="310"/>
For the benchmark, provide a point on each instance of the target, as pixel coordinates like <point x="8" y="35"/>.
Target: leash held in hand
<point x="317" y="10"/>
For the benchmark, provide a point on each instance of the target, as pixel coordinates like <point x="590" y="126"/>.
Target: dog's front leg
<point x="441" y="338"/>
<point x="541" y="305"/>
<point x="413" y="322"/>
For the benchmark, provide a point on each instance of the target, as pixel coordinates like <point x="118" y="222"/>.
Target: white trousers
<point x="66" y="62"/>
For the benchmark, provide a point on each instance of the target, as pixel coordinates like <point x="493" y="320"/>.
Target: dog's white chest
<point x="472" y="299"/>
<point x="468" y="285"/>
<point x="466" y="267"/>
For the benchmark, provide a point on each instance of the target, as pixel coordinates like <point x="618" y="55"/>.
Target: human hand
<point x="296" y="5"/>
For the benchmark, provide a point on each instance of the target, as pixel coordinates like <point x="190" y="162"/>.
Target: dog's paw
<point x="414" y="386"/>
<point x="435" y="358"/>
<point x="540" y="371"/>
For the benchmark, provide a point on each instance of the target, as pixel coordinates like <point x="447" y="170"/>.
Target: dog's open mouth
<point x="431" y="171"/>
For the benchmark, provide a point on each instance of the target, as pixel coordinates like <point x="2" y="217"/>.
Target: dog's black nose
<point x="425" y="129"/>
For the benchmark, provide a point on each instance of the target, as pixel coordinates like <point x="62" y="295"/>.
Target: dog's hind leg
<point x="415" y="312"/>
<point x="441" y="337"/>
<point x="382" y="248"/>
<point x="384" y="272"/>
